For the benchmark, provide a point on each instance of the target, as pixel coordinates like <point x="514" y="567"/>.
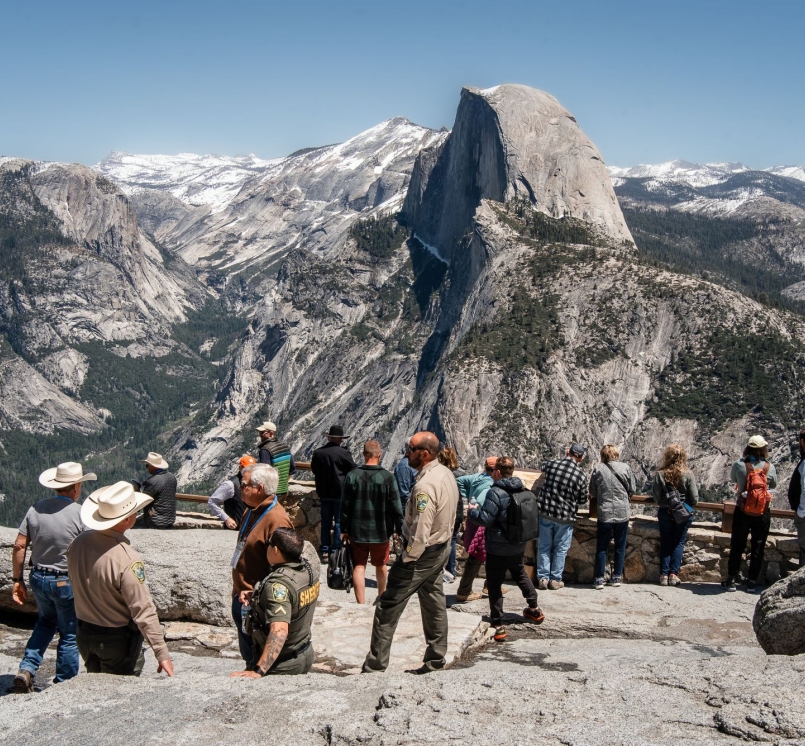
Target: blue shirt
<point x="406" y="476"/>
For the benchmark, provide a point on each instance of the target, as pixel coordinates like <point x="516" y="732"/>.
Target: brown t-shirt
<point x="253" y="565"/>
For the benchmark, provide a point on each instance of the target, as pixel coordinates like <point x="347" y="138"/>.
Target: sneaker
<point x="534" y="615"/>
<point x="555" y="585"/>
<point x="543" y="584"/>
<point x="474" y="596"/>
<point x="23" y="682"/>
<point x="325" y="558"/>
<point x="751" y="586"/>
<point x="448" y="577"/>
<point x="663" y="580"/>
<point x="673" y="579"/>
<point x="729" y="585"/>
<point x="615" y="581"/>
<point x="598" y="584"/>
<point x="500" y="633"/>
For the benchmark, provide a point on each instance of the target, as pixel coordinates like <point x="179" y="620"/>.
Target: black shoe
<point x="729" y="585"/>
<point x="751" y="586"/>
<point x="423" y="669"/>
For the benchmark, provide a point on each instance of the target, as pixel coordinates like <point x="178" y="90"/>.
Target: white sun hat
<point x="267" y="426"/>
<point x="156" y="460"/>
<point x="64" y="475"/>
<point x="109" y="505"/>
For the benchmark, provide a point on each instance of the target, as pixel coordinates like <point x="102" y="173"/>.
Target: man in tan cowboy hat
<point x="113" y="604"/>
<point x="161" y="485"/>
<point x="49" y="526"/>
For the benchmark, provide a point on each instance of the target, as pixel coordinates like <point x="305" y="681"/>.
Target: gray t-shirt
<point x="51" y="525"/>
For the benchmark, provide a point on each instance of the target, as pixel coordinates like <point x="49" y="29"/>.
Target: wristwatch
<point x="18" y="580"/>
<point x="260" y="671"/>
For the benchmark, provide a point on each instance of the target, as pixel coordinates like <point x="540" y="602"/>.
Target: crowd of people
<point x="90" y="584"/>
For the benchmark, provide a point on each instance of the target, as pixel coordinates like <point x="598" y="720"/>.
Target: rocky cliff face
<point x="515" y="316"/>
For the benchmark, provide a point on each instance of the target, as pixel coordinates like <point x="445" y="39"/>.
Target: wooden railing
<point x="727" y="510"/>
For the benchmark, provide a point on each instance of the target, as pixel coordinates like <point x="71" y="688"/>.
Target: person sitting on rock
<point x="226" y="503"/>
<point x="612" y="483"/>
<point x="161" y="485"/>
<point x="282" y="609"/>
<point x="748" y="518"/>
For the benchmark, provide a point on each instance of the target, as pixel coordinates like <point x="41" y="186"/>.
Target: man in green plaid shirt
<point x="370" y="513"/>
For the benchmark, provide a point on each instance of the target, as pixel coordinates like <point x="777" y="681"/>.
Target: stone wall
<point x="704" y="560"/>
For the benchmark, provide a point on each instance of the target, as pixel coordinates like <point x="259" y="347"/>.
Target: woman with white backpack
<point x="752" y="475"/>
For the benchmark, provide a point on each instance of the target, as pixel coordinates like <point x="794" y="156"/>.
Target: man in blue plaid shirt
<point x="564" y="490"/>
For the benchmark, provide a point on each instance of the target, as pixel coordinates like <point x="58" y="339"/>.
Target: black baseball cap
<point x="577" y="450"/>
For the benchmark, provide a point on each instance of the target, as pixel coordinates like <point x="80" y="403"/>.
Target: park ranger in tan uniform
<point x="112" y="601"/>
<point x="429" y="517"/>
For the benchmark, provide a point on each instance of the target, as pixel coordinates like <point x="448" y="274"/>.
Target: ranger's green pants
<point x="106" y="650"/>
<point x="425" y="578"/>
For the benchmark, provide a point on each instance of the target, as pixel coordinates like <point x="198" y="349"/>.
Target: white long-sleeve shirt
<point x="223" y="492"/>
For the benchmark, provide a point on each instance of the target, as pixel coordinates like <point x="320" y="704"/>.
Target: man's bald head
<point x="422" y="449"/>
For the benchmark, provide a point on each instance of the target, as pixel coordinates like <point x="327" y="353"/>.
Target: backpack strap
<point x="617" y="476"/>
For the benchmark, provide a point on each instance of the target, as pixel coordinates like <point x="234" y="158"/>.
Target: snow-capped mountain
<point x="230" y="213"/>
<point x="695" y="174"/>
<point x="212" y="180"/>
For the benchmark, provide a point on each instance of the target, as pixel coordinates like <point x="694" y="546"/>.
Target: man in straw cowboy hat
<point x="161" y="485"/>
<point x="49" y="526"/>
<point x="330" y="465"/>
<point x="113" y="604"/>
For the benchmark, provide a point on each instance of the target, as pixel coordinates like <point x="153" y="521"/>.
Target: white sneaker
<point x="448" y="577"/>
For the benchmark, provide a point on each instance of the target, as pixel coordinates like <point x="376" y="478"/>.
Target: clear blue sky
<point x="648" y="81"/>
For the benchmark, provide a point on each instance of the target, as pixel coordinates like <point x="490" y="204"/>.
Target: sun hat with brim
<point x="266" y="427"/>
<point x="156" y="460"/>
<point x="757" y="441"/>
<point x="65" y="475"/>
<point x="108" y="506"/>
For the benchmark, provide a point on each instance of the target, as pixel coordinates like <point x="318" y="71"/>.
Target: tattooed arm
<point x="277" y="635"/>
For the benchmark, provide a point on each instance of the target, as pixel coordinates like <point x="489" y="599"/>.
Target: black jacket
<point x="492" y="515"/>
<point x="330" y="464"/>
<point x="162" y="512"/>
<point x="795" y="485"/>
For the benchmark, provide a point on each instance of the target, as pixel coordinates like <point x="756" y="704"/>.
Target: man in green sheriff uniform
<point x="283" y="604"/>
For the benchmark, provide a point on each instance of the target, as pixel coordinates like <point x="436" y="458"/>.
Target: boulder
<point x="779" y="619"/>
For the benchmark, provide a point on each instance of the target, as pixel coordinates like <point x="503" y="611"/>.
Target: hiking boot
<point x="555" y="585"/>
<point x="534" y="615"/>
<point x="543" y="584"/>
<point x="729" y="585"/>
<point x="500" y="633"/>
<point x="23" y="682"/>
<point x="673" y="579"/>
<point x="598" y="584"/>
<point x="663" y="580"/>
<point x="474" y="596"/>
<point x="751" y="586"/>
<point x="616" y="581"/>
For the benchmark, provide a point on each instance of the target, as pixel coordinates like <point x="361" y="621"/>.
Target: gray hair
<point x="263" y="475"/>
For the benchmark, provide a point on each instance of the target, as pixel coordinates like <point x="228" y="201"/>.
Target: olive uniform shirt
<point x="430" y="511"/>
<point x="109" y="588"/>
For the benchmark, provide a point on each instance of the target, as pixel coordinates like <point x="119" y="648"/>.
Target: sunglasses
<point x="413" y="450"/>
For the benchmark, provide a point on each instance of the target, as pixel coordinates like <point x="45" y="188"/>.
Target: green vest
<point x="287" y="594"/>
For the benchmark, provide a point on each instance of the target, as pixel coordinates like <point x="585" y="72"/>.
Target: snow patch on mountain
<point x="792" y="172"/>
<point x="695" y="174"/>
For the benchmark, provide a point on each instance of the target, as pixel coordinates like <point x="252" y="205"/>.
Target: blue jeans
<point x="607" y="531"/>
<point x="672" y="541"/>
<point x="554" y="538"/>
<point x="245" y="644"/>
<point x="330" y="514"/>
<point x="54" y="597"/>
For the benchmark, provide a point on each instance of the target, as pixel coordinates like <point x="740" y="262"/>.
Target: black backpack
<point x="522" y="517"/>
<point x="339" y="569"/>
